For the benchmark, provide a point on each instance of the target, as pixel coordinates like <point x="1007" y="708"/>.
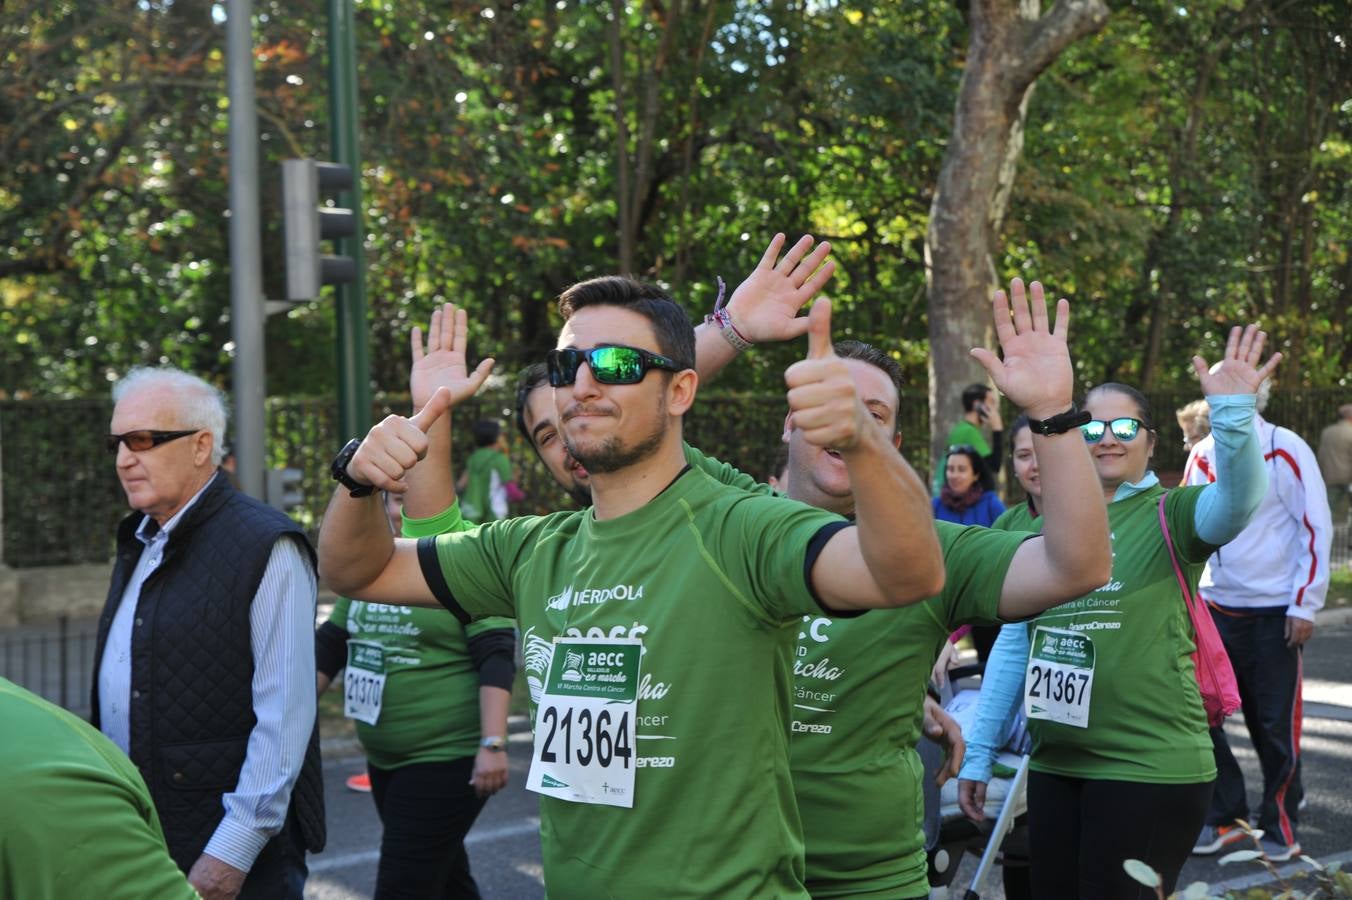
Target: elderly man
<point x="204" y="668"/>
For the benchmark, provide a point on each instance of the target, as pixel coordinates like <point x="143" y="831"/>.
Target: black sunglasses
<point x="144" y="439"/>
<point x="611" y="364"/>
<point x="1124" y="429"/>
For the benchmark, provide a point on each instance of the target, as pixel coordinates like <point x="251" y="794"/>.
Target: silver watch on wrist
<point x="495" y="744"/>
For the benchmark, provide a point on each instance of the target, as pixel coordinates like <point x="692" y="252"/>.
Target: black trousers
<point x="1081" y="831"/>
<point x="427" y="809"/>
<point x="1269" y="676"/>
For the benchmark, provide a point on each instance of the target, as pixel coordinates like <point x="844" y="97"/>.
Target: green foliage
<point x="1187" y="167"/>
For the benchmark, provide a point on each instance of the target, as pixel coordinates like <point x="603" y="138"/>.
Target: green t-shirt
<point x="480" y="485"/>
<point x="76" y="820"/>
<point x="1146" y="721"/>
<point x="713" y="580"/>
<point x="1018" y="518"/>
<point x="962" y="433"/>
<point x="859" y="691"/>
<point x="430" y="707"/>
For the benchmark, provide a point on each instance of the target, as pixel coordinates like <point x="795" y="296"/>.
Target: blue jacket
<point x="983" y="512"/>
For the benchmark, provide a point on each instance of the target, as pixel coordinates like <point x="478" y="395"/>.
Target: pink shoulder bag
<point x="1211" y="664"/>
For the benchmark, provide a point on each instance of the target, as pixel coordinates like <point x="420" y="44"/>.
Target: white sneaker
<point x="1276" y="851"/>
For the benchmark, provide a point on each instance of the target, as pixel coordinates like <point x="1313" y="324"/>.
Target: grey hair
<point x="200" y="405"/>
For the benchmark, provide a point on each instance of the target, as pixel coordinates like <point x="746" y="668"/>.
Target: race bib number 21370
<point x="585" y="722"/>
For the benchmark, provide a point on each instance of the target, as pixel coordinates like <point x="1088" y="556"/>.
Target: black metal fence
<point x="62" y="500"/>
<point x="53" y="661"/>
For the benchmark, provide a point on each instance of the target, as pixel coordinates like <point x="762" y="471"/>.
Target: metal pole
<point x="354" y="367"/>
<point x="246" y="270"/>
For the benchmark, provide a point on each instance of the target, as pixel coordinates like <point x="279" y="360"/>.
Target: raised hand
<point x="395" y="444"/>
<point x="765" y="306"/>
<point x="1036" y="373"/>
<point x="443" y="363"/>
<point x="823" y="400"/>
<point x="1238" y="372"/>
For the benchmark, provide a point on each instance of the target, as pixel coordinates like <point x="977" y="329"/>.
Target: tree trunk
<point x="1009" y="47"/>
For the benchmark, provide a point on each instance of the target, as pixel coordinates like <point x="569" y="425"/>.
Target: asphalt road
<point x="504" y="843"/>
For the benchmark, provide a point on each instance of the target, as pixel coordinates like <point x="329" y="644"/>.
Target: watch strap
<point x="1060" y="423"/>
<point x="339" y="471"/>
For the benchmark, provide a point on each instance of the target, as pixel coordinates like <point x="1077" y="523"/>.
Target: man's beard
<point x="612" y="455"/>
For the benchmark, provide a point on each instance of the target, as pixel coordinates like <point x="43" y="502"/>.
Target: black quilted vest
<point x="192" y="665"/>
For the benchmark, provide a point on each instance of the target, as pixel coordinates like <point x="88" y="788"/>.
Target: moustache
<point x="583" y="409"/>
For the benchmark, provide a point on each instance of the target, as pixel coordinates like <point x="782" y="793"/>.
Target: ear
<point x="201" y="451"/>
<point x="681" y="392"/>
<point x="788" y="428"/>
<point x="896" y="440"/>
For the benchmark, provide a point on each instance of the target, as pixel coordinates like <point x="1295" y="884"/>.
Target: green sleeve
<point x="725" y="473"/>
<point x="77" y="820"/>
<point x="976" y="561"/>
<point x="1180" y="510"/>
<point x="763" y="545"/>
<point x="445" y="522"/>
<point x="503" y="465"/>
<point x="338" y="616"/>
<point x="489" y="623"/>
<point x="477" y="565"/>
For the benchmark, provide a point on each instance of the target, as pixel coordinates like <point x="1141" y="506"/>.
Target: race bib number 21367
<point x="585" y="722"/>
<point x="1060" y="677"/>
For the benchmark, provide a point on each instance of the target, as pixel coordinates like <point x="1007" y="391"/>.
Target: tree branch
<point x="1044" y="39"/>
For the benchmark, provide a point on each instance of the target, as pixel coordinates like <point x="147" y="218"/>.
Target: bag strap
<point x="1173" y="558"/>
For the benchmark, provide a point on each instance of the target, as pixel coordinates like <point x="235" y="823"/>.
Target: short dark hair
<point x="675" y="334"/>
<point x="486" y="432"/>
<point x="867" y="353"/>
<point x="1136" y="397"/>
<point x="973" y="394"/>
<point x="531" y="377"/>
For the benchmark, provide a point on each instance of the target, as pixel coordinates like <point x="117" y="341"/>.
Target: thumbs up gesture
<point x="394" y="445"/>
<point x="823" y="401"/>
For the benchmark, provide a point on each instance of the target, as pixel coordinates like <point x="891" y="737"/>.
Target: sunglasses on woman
<point x="144" y="439"/>
<point x="611" y="364"/>
<point x="1123" y="428"/>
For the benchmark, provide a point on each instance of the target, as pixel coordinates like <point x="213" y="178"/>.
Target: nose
<point x="125" y="455"/>
<point x="585" y="385"/>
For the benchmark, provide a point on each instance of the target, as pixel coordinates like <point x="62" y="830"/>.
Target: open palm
<point x="1238" y="371"/>
<point x="1035" y="373"/>
<point x="442" y="363"/>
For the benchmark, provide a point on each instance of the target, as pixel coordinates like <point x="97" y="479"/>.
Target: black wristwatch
<point x="1060" y="424"/>
<point x="339" y="471"/>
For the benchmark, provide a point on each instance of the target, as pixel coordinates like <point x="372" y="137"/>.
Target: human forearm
<point x="355" y="542"/>
<point x="283" y="696"/>
<point x="493" y="704"/>
<point x="895" y="522"/>
<point x="431" y="483"/>
<point x="1227" y="504"/>
<point x="1075" y="554"/>
<point x="1001" y="686"/>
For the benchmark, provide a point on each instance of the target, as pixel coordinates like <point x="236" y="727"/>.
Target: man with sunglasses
<point x="675" y="597"/>
<point x="204" y="665"/>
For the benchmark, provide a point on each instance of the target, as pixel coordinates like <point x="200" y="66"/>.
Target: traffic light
<point x="283" y="489"/>
<point x="306" y="223"/>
